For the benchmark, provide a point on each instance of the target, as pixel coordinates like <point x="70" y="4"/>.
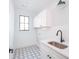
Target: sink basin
<point x="58" y="45"/>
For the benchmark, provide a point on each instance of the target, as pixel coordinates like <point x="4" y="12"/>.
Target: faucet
<point x="61" y="39"/>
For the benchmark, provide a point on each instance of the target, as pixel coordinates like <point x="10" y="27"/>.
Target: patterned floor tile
<point x="31" y="52"/>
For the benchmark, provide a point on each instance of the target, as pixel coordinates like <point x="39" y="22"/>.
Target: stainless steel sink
<point x="58" y="45"/>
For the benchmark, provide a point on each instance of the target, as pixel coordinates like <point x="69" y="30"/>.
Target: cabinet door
<point x="56" y="55"/>
<point x="43" y="55"/>
<point x="43" y="18"/>
<point x="46" y="55"/>
<point x="37" y="21"/>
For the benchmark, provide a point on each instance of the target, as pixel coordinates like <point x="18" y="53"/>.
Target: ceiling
<point x="32" y="6"/>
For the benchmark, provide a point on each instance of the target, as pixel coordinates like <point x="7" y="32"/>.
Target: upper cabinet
<point x="51" y="17"/>
<point x="42" y="20"/>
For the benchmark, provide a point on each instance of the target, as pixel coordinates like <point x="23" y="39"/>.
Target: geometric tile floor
<point x="31" y="52"/>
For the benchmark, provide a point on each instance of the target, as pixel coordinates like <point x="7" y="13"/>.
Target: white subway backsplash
<point x="50" y="33"/>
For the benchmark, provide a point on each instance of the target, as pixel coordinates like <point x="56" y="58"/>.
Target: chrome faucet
<point x="61" y="39"/>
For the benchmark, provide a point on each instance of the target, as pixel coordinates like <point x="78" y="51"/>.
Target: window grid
<point x="24" y="27"/>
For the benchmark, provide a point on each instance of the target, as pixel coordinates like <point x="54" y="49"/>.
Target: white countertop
<point x="64" y="52"/>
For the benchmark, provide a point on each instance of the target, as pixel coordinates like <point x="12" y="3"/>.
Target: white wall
<point x="27" y="8"/>
<point x="11" y="23"/>
<point x="23" y="38"/>
<point x="48" y="34"/>
<point x="59" y="17"/>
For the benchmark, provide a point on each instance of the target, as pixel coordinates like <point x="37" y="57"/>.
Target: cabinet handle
<point x="49" y="56"/>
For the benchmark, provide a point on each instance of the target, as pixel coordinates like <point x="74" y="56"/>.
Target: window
<point x="24" y="23"/>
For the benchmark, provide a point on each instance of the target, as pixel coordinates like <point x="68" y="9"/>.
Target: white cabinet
<point x="48" y="53"/>
<point x="41" y="20"/>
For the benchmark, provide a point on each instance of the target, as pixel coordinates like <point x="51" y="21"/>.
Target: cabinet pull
<point x="49" y="56"/>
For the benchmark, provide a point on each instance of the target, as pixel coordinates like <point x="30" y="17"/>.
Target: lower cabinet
<point x="48" y="53"/>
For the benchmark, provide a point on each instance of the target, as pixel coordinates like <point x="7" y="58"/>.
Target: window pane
<point x="26" y="19"/>
<point x="21" y="28"/>
<point x="22" y="25"/>
<point x="26" y="28"/>
<point x="21" y="19"/>
<point x="26" y="25"/>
